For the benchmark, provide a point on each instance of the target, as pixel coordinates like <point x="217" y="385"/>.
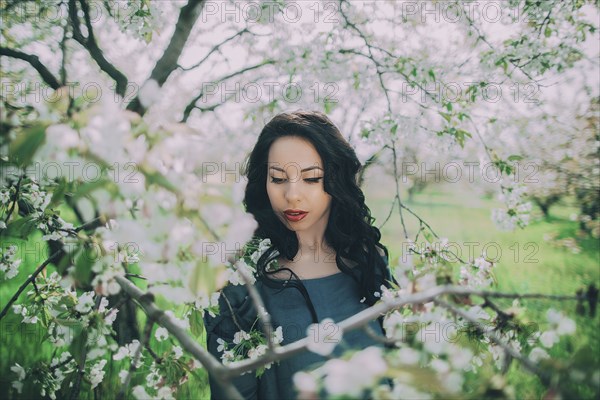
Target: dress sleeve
<point x="224" y="326"/>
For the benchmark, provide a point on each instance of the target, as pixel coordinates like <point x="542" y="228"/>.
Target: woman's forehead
<point x="295" y="151"/>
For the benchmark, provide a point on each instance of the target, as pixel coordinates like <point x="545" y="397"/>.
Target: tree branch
<point x="30" y="279"/>
<point x="214" y="367"/>
<point x="34" y="61"/>
<point x="168" y="62"/>
<point x="192" y="104"/>
<point x="215" y="48"/>
<point x="89" y="43"/>
<point x="364" y="317"/>
<point x="136" y="357"/>
<point x="493" y="336"/>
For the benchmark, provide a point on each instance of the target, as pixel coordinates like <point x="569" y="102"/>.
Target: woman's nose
<point x="292" y="191"/>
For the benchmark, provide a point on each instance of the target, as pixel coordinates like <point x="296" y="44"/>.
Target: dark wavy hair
<point x="349" y="229"/>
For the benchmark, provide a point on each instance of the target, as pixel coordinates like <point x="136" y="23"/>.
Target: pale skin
<point x="295" y="181"/>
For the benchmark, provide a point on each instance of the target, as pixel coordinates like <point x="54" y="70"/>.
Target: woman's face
<point x="295" y="184"/>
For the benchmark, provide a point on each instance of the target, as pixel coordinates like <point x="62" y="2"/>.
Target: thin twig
<point x="494" y="337"/>
<point x="136" y="357"/>
<point x="263" y="315"/>
<point x="214" y="367"/>
<point x="30" y="279"/>
<point x="16" y="198"/>
<point x="364" y="317"/>
<point x="215" y="48"/>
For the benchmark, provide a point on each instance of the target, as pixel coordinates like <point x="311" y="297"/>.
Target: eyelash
<point x="309" y="180"/>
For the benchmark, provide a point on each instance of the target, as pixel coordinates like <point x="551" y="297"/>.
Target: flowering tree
<point x="118" y="173"/>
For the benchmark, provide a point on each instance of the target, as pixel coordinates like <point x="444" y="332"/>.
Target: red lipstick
<point x="295" y="215"/>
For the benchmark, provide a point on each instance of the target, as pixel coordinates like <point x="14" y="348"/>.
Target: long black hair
<point x="349" y="229"/>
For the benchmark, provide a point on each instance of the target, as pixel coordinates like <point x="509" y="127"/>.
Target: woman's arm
<point x="224" y="326"/>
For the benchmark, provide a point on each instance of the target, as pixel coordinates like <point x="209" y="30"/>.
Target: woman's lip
<point x="295" y="218"/>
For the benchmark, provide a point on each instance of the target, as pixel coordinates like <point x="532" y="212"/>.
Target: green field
<point x="526" y="263"/>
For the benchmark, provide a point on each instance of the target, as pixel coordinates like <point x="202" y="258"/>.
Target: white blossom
<point x="409" y="356"/>
<point x="352" y="376"/>
<point x="538" y="354"/>
<point x="97" y="373"/>
<point x="222" y="345"/>
<point x="85" y="302"/>
<point x="20" y="371"/>
<point x="239" y="336"/>
<point x="161" y="334"/>
<point x="123" y="375"/>
<point x="278" y="335"/>
<point x="177" y="352"/>
<point x="165" y="393"/>
<point x="149" y="93"/>
<point x="18" y="386"/>
<point x="153" y="378"/>
<point x="324" y="336"/>
<point x="549" y="339"/>
<point x="139" y="392"/>
<point x="305" y="382"/>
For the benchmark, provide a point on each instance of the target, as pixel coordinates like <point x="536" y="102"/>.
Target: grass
<point x="525" y="263"/>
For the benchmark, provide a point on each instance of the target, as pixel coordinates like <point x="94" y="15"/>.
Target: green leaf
<point x="21" y="228"/>
<point x="88" y="187"/>
<point x="547" y="32"/>
<point x="461" y="135"/>
<point x="431" y="74"/>
<point x="59" y="194"/>
<point x="515" y="157"/>
<point x="24" y="147"/>
<point x="328" y="105"/>
<point x="446" y="116"/>
<point x="84" y="262"/>
<point x="356" y="82"/>
<point x="77" y="347"/>
<point x="196" y="323"/>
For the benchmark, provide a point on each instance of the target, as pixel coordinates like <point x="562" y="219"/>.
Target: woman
<point x="302" y="190"/>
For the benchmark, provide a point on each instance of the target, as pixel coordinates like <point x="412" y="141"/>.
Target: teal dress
<point x="335" y="296"/>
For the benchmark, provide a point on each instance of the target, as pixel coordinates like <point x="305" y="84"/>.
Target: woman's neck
<point x="313" y="249"/>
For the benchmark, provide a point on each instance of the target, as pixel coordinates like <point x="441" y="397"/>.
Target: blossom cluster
<point x="9" y="264"/>
<point x="250" y="345"/>
<point x="517" y="211"/>
<point x="67" y="318"/>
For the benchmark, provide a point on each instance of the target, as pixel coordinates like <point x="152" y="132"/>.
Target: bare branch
<point x="136" y="357"/>
<point x="89" y="43"/>
<point x="263" y="315"/>
<point x="34" y="60"/>
<point x="168" y="62"/>
<point x="30" y="279"/>
<point x="364" y="317"/>
<point x="494" y="337"/>
<point x="215" y="48"/>
<point x="192" y="104"/>
<point x="214" y="367"/>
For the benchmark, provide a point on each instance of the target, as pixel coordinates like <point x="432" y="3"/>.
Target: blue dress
<point x="335" y="296"/>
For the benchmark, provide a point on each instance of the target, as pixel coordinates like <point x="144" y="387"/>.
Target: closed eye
<point x="309" y="180"/>
<point x="313" y="180"/>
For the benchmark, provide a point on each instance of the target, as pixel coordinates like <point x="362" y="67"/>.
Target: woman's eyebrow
<point x="304" y="170"/>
